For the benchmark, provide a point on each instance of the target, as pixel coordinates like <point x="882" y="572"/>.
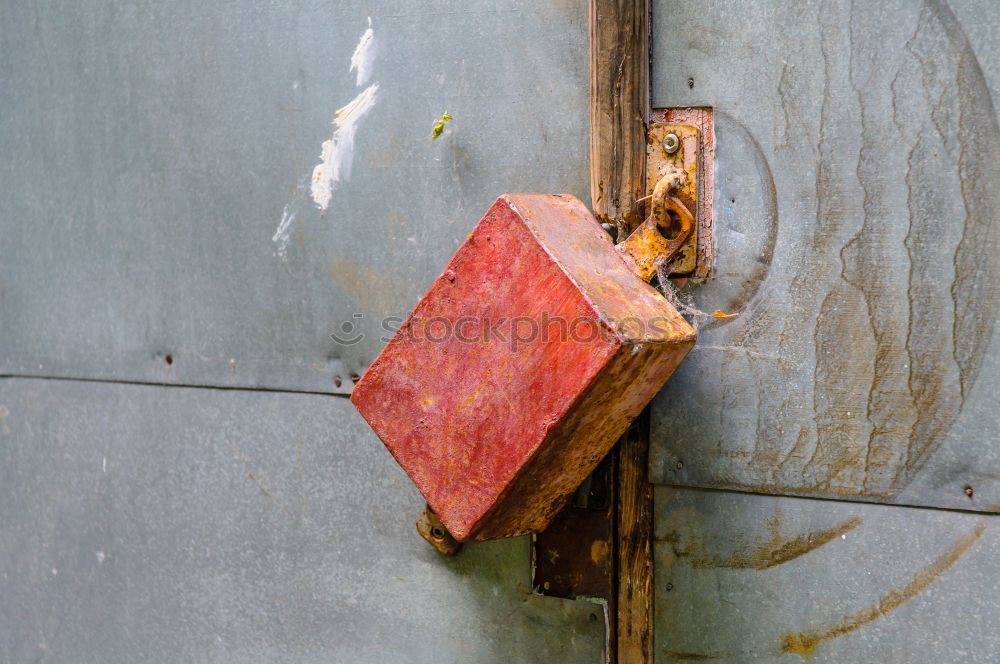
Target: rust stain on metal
<point x="663" y="236"/>
<point x="694" y="126"/>
<point x="805" y="643"/>
<point x="572" y="557"/>
<point x="365" y="283"/>
<point x="497" y="423"/>
<point x="778" y="549"/>
<point x="681" y="167"/>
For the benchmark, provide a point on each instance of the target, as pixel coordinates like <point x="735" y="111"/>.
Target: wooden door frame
<point x="619" y="113"/>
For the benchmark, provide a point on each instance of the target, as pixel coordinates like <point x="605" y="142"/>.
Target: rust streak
<point x="805" y="643"/>
<point x="777" y="550"/>
<point x="361" y="281"/>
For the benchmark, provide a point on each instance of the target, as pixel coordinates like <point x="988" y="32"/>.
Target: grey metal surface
<point x="857" y="225"/>
<point x="151" y="150"/>
<point x="156" y="524"/>
<point x="750" y="578"/>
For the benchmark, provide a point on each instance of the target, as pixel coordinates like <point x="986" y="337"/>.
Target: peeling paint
<point x="291" y="210"/>
<point x="364" y="55"/>
<point x="338" y="152"/>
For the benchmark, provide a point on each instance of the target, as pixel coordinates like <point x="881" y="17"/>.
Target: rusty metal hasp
<point x="521" y="366"/>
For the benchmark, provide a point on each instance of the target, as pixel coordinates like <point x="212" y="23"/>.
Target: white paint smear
<point x="284" y="232"/>
<point x="337" y="153"/>
<point x="364" y="55"/>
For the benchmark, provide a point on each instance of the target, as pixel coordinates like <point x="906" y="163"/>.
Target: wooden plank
<point x="619" y="107"/>
<point x="635" y="551"/>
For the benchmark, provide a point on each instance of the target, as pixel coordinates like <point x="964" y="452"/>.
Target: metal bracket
<point x="673" y="152"/>
<point x="659" y="241"/>
<point x="431" y="529"/>
<point x="667" y="241"/>
<point x="573" y="557"/>
<point x="697" y="159"/>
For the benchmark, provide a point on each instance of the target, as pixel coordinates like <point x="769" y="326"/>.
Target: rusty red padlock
<point x="524" y="363"/>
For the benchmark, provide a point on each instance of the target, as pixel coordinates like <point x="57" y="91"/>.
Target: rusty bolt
<point x="968" y="491"/>
<point x="669" y="587"/>
<point x="680" y="465"/>
<point x="431" y="529"/>
<point x="671" y="143"/>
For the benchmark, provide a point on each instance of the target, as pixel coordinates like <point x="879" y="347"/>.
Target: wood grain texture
<point x="635" y="553"/>
<point x="619" y="107"/>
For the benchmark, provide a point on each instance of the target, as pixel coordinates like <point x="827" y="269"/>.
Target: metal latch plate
<point x="694" y="128"/>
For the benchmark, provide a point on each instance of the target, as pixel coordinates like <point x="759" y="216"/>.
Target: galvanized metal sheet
<point x="857" y="225"/>
<point x="751" y="578"/>
<point x="155" y="186"/>
<point x="153" y="524"/>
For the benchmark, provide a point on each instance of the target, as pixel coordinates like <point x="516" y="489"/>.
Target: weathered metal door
<point x="212" y="216"/>
<point x="186" y="223"/>
<point x="856" y="224"/>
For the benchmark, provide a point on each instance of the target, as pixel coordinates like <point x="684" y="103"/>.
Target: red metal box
<point x="520" y="367"/>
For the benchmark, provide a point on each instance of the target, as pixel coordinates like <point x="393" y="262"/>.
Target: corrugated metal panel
<point x="153" y="524"/>
<point x="858" y="223"/>
<point x="750" y="578"/>
<point x="151" y="152"/>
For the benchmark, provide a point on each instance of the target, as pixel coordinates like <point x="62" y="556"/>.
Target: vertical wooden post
<point x="634" y="564"/>
<point x="619" y="109"/>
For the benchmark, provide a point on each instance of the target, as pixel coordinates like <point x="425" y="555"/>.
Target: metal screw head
<point x="671" y="143"/>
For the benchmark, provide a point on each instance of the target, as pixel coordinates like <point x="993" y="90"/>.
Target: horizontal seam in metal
<point x="841" y="501"/>
<point x="225" y="388"/>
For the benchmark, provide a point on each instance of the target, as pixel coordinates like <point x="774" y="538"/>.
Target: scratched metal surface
<point x="157" y="524"/>
<point x="752" y="578"/>
<point x="151" y="149"/>
<point x="858" y="237"/>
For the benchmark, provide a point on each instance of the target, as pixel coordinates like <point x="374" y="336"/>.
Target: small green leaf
<point x="439" y="125"/>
